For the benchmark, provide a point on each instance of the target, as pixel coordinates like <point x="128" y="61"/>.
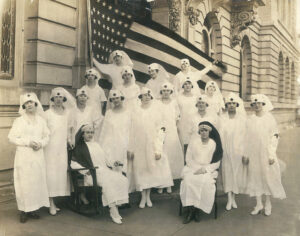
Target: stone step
<point x="7" y="192"/>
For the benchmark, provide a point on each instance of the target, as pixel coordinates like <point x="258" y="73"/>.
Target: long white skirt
<point x="174" y="152"/>
<point x="199" y="190"/>
<point x="30" y="179"/>
<point x="114" y="186"/>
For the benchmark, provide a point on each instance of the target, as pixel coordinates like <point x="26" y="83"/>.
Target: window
<point x="287" y="78"/>
<point x="280" y="77"/>
<point x="245" y="69"/>
<point x="7" y="36"/>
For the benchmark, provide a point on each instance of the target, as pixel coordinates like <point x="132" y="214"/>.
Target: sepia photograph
<point x="149" y="117"/>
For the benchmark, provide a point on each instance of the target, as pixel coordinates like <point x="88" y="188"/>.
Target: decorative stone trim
<point x="174" y="14"/>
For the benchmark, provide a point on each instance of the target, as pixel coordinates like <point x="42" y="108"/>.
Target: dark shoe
<point x="197" y="215"/>
<point x="189" y="216"/>
<point x="33" y="215"/>
<point x="23" y="217"/>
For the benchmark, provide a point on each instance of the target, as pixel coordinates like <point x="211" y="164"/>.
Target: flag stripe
<point x="172" y="35"/>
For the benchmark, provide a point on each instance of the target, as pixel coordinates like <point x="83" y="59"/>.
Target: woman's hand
<point x="157" y="156"/>
<point x="245" y="160"/>
<point x="35" y="145"/>
<point x="271" y="161"/>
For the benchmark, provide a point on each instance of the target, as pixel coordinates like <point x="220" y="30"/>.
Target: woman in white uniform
<point x="201" y="115"/>
<point x="197" y="189"/>
<point x="30" y="134"/>
<point x="150" y="164"/>
<point x="115" y="132"/>
<point x="186" y="73"/>
<point x="264" y="170"/>
<point x="117" y="60"/>
<point x="129" y="88"/>
<point x="214" y="98"/>
<point x="158" y="76"/>
<point x="59" y="123"/>
<point x="234" y="172"/>
<point x="170" y="114"/>
<point x="97" y="98"/>
<point x="88" y="154"/>
<point x="83" y="114"/>
<point x="186" y="102"/>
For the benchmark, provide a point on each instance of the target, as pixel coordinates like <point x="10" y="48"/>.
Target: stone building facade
<point x="44" y="44"/>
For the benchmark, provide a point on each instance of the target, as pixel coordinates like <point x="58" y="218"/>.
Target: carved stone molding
<point x="174" y="14"/>
<point x="243" y="14"/>
<point x="193" y="15"/>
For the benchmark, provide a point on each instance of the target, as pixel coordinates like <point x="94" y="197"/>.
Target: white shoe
<point x="228" y="206"/>
<point x="169" y="190"/>
<point x="257" y="210"/>
<point x="268" y="210"/>
<point x="142" y="204"/>
<point x="160" y="190"/>
<point x="116" y="220"/>
<point x="234" y="205"/>
<point x="52" y="210"/>
<point x="57" y="209"/>
<point x="83" y="199"/>
<point x="149" y="203"/>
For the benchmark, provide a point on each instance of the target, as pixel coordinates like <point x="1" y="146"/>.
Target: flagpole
<point x="89" y="32"/>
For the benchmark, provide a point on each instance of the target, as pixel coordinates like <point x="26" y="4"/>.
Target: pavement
<point x="163" y="219"/>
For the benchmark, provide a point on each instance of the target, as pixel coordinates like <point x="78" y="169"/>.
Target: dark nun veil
<point x="214" y="135"/>
<point x="81" y="152"/>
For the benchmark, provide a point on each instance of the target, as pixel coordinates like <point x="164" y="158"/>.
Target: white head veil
<point x="126" y="61"/>
<point x="162" y="73"/>
<point x="186" y="62"/>
<point x="267" y="105"/>
<point x="217" y="93"/>
<point x="30" y="97"/>
<point x="232" y="97"/>
<point x="128" y="70"/>
<point x="69" y="102"/>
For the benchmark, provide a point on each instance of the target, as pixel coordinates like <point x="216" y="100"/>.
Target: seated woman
<point x="88" y="153"/>
<point x="197" y="189"/>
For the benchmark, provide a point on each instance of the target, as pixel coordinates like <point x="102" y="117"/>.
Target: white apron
<point x="29" y="165"/>
<point x="199" y="190"/>
<point x="172" y="147"/>
<point x="56" y="155"/>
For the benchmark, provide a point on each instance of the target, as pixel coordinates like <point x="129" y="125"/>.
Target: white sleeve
<point x="16" y="136"/>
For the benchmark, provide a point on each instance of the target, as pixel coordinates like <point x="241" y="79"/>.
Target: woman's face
<point x="204" y="133"/>
<point x="231" y="106"/>
<point x="257" y="106"/>
<point x="146" y="98"/>
<point x="58" y="100"/>
<point x="88" y="135"/>
<point x="201" y="106"/>
<point x="118" y="59"/>
<point x="185" y="65"/>
<point x="165" y="93"/>
<point x="211" y="90"/>
<point x="117" y="101"/>
<point x="82" y="98"/>
<point x="187" y="87"/>
<point x="30" y="107"/>
<point x="153" y="73"/>
<point x="91" y="79"/>
<point x="127" y="78"/>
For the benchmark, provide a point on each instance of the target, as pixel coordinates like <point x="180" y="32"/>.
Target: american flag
<point x="113" y="26"/>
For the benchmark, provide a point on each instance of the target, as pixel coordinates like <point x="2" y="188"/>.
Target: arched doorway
<point x="245" y="69"/>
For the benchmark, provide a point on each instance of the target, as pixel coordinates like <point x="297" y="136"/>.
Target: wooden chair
<point x="93" y="192"/>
